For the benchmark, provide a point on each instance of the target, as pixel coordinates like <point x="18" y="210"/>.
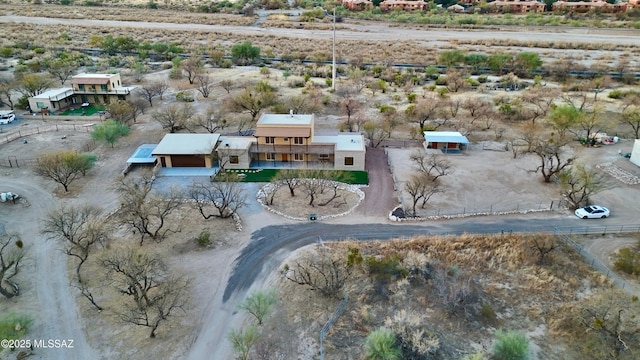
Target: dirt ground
<point x="481" y="180"/>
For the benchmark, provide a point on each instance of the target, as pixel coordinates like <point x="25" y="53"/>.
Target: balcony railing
<point x="292" y="149"/>
<point x="102" y="92"/>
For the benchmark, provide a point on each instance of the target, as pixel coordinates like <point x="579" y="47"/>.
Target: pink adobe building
<point x="406" y="5"/>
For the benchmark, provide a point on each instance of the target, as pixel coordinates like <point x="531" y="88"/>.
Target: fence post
<point x="551" y="206"/>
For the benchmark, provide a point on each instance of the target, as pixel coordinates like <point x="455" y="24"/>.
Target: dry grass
<point x="513" y="292"/>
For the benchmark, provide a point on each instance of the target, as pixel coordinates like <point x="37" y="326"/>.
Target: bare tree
<point x="192" y="67"/>
<point x="425" y="109"/>
<point x="539" y="100"/>
<point x="349" y="104"/>
<point x="378" y="131"/>
<point x="544" y="245"/>
<point x="551" y="156"/>
<point x="421" y="186"/>
<point x="320" y="270"/>
<point x="121" y="111"/>
<point x="152" y="90"/>
<point x="580" y="183"/>
<point x="226" y="195"/>
<point x="204" y="84"/>
<point x="227" y="85"/>
<point x="213" y="120"/>
<point x="433" y="165"/>
<point x="251" y="100"/>
<point x="153" y="293"/>
<point x="11" y="254"/>
<point x="147" y="212"/>
<point x="7" y="87"/>
<point x="175" y="116"/>
<point x="290" y="177"/>
<point x="81" y="229"/>
<point x="614" y="322"/>
<point x="631" y="118"/>
<point x="63" y="166"/>
<point x="34" y="84"/>
<point x="455" y="81"/>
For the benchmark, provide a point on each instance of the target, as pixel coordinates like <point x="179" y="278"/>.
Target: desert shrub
<point x="259" y="304"/>
<point x="386" y="267"/>
<point x="204" y="239"/>
<point x="243" y="340"/>
<point x="181" y="96"/>
<point x="488" y="314"/>
<point x="511" y="345"/>
<point x="411" y="97"/>
<point x="627" y="260"/>
<point x="476" y="356"/>
<point x="381" y="345"/>
<point x="441" y="80"/>
<point x="415" y="341"/>
<point x="616" y="94"/>
<point x="14" y="326"/>
<point x="320" y="271"/>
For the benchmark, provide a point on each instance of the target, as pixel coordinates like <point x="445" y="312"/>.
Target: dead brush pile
<point x="446" y="296"/>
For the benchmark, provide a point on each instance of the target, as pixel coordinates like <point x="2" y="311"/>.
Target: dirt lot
<point x="481" y="179"/>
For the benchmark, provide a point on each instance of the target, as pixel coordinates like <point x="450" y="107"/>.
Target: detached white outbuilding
<point x="635" y="153"/>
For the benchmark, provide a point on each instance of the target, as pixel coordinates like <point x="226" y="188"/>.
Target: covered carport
<point x="447" y="141"/>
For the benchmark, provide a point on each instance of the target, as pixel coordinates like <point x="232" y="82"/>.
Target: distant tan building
<point x="518" y="6"/>
<point x="356" y="5"/>
<point x="405" y="5"/>
<point x="586" y="6"/>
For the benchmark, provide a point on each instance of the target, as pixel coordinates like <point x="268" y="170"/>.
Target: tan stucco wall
<point x="358" y="160"/>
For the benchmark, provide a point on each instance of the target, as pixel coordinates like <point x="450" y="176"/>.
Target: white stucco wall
<point x="358" y="160"/>
<point x="635" y="153"/>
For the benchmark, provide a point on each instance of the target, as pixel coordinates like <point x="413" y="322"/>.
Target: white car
<point x="592" y="212"/>
<point x="7" y="117"/>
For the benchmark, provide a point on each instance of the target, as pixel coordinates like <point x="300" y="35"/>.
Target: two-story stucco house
<point x="285" y="138"/>
<point x="86" y="89"/>
<point x="280" y="140"/>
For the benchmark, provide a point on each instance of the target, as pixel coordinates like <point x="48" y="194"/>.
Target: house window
<point x="298" y="140"/>
<point x="40" y="105"/>
<point x="271" y="156"/>
<point x="323" y="156"/>
<point x="270" y="140"/>
<point x="233" y="159"/>
<point x="81" y="87"/>
<point x="118" y="82"/>
<point x="103" y="87"/>
<point x="348" y="160"/>
<point x="298" y="157"/>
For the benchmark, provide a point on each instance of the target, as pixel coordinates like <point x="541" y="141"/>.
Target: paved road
<point x="270" y="245"/>
<point x="369" y="31"/>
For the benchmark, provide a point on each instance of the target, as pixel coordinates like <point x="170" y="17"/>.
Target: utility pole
<point x="333" y="70"/>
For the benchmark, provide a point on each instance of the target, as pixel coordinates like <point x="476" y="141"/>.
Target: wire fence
<point x="596" y="263"/>
<point x="9" y="137"/>
<point x="496" y="209"/>
<point x="332" y="319"/>
<point x="13" y="161"/>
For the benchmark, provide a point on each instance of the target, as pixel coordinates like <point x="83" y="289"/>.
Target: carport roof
<point x="186" y="144"/>
<point x="445" y="136"/>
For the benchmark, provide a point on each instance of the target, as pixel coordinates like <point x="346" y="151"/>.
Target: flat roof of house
<point x="342" y="141"/>
<point x="92" y="78"/>
<point x="143" y="155"/>
<point x="280" y="132"/>
<point x="53" y="93"/>
<point x="286" y="119"/>
<point x="445" y="136"/>
<point x="236" y="142"/>
<point x="186" y="144"/>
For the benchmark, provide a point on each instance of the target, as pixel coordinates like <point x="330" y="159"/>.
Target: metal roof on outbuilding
<point x="186" y="144"/>
<point x="445" y="136"/>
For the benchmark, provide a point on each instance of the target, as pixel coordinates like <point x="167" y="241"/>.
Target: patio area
<point x="78" y="110"/>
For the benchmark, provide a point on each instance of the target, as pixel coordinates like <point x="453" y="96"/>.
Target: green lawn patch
<point x="82" y="111"/>
<point x="265" y="175"/>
